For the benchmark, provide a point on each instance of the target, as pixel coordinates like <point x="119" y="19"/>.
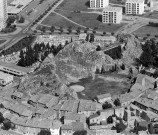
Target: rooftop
<point x="3" y="76"/>
<point x="135" y="1"/>
<point x="14" y="67"/>
<point x="104" y="96"/>
<point x="112" y="9"/>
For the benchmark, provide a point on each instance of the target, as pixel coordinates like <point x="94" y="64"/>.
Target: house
<point x="49" y="114"/>
<point x="100" y="116"/>
<point x="104" y="97"/>
<point x="5" y="79"/>
<point x="55" y="129"/>
<point x="82" y="36"/>
<point x="99" y="3"/>
<point x="72" y="117"/>
<point x="112" y="14"/>
<point x="119" y="111"/>
<point x="69" y="129"/>
<point x="105" y="39"/>
<point x="88" y="107"/>
<point x="153" y="127"/>
<point x="146" y="81"/>
<point x="68" y="106"/>
<point x="134" y="7"/>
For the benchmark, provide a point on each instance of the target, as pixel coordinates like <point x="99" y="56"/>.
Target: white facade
<point x="99" y="3"/>
<point x="134" y="7"/>
<point x="3" y="14"/>
<point x="112" y="15"/>
<point x="5" y="78"/>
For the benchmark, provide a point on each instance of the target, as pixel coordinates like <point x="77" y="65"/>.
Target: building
<point x="104" y="97"/>
<point x="134" y="7"/>
<point x="13" y="69"/>
<point x="99" y="3"/>
<point x="105" y="39"/>
<point x="3" y="14"/>
<point x="16" y="6"/>
<point x="5" y="79"/>
<point x="112" y="15"/>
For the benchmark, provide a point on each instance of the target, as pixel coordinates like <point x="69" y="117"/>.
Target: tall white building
<point x="134" y="7"/>
<point x="3" y="13"/>
<point x="99" y="3"/>
<point x="112" y="15"/>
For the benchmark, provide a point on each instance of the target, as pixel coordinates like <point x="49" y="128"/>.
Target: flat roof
<point x="134" y="1"/>
<point x="15" y="67"/>
<point x="4" y="75"/>
<point x="112" y="9"/>
<point x="17" y="5"/>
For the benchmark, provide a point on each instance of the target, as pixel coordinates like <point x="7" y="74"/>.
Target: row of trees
<point x="150" y="54"/>
<point x="37" y="53"/>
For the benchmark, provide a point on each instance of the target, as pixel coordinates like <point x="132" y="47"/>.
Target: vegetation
<point x="19" y="45"/>
<point x="82" y="132"/>
<point x="150" y="54"/>
<point x="58" y="21"/>
<point x="109" y="120"/>
<point x="117" y="102"/>
<point x="115" y="53"/>
<point x="107" y="105"/>
<point x="38" y="53"/>
<point x="44" y="132"/>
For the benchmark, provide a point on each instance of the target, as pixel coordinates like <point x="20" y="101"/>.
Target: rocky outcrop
<point x="132" y="51"/>
<point x="79" y="60"/>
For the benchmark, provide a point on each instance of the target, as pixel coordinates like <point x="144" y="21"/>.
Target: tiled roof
<point x="52" y="102"/>
<point x="94" y="115"/>
<point x="45" y="98"/>
<point x="48" y="113"/>
<point x="75" y="116"/>
<point x="86" y="105"/>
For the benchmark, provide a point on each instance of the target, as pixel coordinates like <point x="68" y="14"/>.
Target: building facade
<point x="3" y="14"/>
<point x="112" y="15"/>
<point x="134" y="7"/>
<point x="99" y="3"/>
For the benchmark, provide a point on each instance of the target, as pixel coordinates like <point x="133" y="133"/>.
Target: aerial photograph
<point x="78" y="67"/>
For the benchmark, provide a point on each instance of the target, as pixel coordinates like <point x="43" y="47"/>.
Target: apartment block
<point x="99" y="3"/>
<point x="3" y="14"/>
<point x="112" y="15"/>
<point x="134" y="7"/>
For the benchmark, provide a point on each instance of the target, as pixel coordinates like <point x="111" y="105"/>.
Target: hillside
<point x="132" y="50"/>
<point x="74" y="62"/>
<point x="79" y="60"/>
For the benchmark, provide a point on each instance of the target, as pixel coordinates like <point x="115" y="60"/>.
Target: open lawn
<point x="56" y="20"/>
<point x="101" y="86"/>
<point x="2" y="41"/>
<point x="74" y="5"/>
<point x="91" y="20"/>
<point x="143" y="31"/>
<point x="152" y="15"/>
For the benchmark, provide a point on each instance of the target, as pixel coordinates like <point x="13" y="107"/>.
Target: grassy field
<point x="72" y="5"/>
<point x="2" y="41"/>
<point x="100" y="86"/>
<point x="56" y="20"/>
<point x="152" y="15"/>
<point x="90" y="20"/>
<point x="143" y="31"/>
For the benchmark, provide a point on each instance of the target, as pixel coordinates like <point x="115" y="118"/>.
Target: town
<point x="78" y="67"/>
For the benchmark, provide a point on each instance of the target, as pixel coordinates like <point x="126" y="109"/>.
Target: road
<point x="37" y="9"/>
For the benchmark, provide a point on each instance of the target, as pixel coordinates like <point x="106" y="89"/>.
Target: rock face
<point x="75" y="61"/>
<point x="132" y="50"/>
<point x="79" y="60"/>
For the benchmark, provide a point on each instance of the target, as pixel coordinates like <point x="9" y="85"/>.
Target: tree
<point x="80" y="132"/>
<point x="98" y="48"/>
<point x="117" y="102"/>
<point x="106" y="105"/>
<point x="44" y="132"/>
<point x="6" y="125"/>
<point x="109" y="120"/>
<point x="104" y="33"/>
<point x="21" y="19"/>
<point x="91" y="38"/>
<point x="22" y="59"/>
<point x="120" y="126"/>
